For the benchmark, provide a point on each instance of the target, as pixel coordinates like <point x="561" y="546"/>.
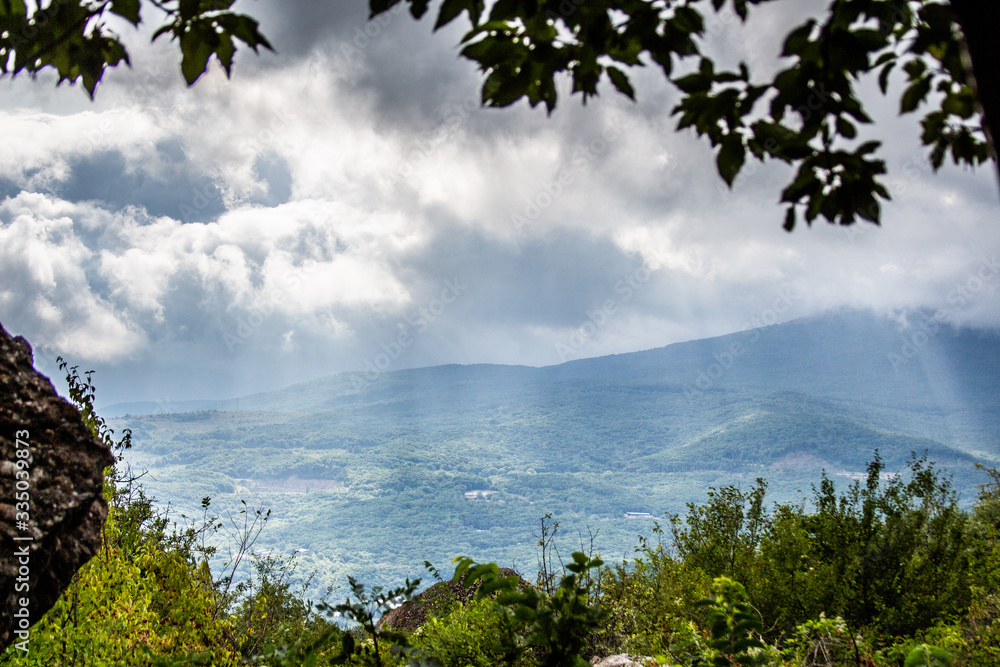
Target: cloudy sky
<point x="345" y="203"/>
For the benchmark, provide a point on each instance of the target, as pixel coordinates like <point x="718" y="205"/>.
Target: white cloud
<point x="37" y="145"/>
<point x="45" y="286"/>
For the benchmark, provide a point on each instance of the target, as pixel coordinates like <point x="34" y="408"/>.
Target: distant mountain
<point x="950" y="378"/>
<point x="386" y="464"/>
<point x="853" y="356"/>
<point x="165" y="407"/>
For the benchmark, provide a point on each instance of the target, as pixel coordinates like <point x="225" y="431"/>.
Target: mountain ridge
<point x="740" y="360"/>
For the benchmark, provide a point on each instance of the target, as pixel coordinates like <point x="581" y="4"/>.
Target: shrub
<point x="648" y="604"/>
<point x="479" y="634"/>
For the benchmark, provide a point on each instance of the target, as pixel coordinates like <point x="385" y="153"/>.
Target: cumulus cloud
<point x="47" y="283"/>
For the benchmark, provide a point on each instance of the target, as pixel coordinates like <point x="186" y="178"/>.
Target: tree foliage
<point x="805" y="115"/>
<point x="73" y="38"/>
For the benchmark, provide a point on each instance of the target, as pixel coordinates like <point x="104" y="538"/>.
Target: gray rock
<point x="623" y="660"/>
<point x="65" y="479"/>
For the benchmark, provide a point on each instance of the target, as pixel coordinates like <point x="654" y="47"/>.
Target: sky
<point x="345" y="204"/>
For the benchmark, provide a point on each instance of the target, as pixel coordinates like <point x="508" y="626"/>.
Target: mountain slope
<point x="378" y="474"/>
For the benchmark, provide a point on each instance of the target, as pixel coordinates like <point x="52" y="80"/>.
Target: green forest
<point x="370" y="480"/>
<point x="886" y="570"/>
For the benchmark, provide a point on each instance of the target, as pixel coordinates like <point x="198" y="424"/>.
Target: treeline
<point x="853" y="578"/>
<point x="889" y="572"/>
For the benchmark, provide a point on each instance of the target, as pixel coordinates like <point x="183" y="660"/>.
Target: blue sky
<point x="345" y="204"/>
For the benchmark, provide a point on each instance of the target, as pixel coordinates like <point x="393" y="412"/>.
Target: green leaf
<point x="805" y="183"/>
<point x="915" y="68"/>
<point x="196" y="49"/>
<point x="127" y="9"/>
<point x="798" y="39"/>
<point x="13" y="8"/>
<point x="620" y="81"/>
<point x="376" y="7"/>
<point x="883" y="77"/>
<point x="845" y="128"/>
<point x="870" y="211"/>
<point x="937" y="155"/>
<point x="243" y="28"/>
<point x="884" y="58"/>
<point x="449" y="10"/>
<point x="731" y="158"/>
<point x="925" y="655"/>
<point x="789" y="219"/>
<point x="225" y="52"/>
<point x="741" y="8"/>
<point x="418" y="8"/>
<point x="694" y="83"/>
<point x="689" y="19"/>
<point x="188" y="9"/>
<point x="162" y="30"/>
<point x="962" y="104"/>
<point x="869" y="38"/>
<point x="816" y="202"/>
<point x="868" y="147"/>
<point x="914" y="95"/>
<point x="508" y="89"/>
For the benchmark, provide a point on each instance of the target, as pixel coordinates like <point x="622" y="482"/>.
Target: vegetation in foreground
<point x="890" y="571"/>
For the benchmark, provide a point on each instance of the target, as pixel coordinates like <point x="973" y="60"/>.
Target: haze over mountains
<point x="385" y="469"/>
<point x="871" y="364"/>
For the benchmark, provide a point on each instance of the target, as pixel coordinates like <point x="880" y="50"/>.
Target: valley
<point x="372" y="477"/>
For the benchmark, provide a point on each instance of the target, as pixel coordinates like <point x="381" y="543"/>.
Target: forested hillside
<point x="887" y="570"/>
<point x="374" y="474"/>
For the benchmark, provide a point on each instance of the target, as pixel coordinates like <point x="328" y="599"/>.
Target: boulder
<point x="623" y="660"/>
<point x="62" y="478"/>
<point x="439" y="598"/>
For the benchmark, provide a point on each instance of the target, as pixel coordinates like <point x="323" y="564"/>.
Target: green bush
<point x="824" y="641"/>
<point x="925" y="655"/>
<point x="479" y="634"/>
<point x="648" y="604"/>
<point x="734" y="626"/>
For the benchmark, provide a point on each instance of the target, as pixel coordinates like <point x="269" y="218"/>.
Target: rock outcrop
<point x="436" y="599"/>
<point x="623" y="660"/>
<point x="51" y="504"/>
